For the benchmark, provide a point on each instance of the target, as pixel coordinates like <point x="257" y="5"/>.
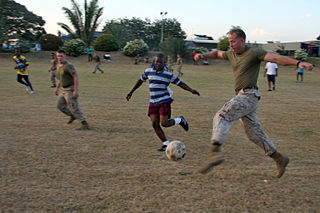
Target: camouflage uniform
<point x="66" y="103"/>
<point x="244" y="107"/>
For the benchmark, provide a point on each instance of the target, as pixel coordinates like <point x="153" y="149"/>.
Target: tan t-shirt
<point x="246" y="66"/>
<point x="65" y="73"/>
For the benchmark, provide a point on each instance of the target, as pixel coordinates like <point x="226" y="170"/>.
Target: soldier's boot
<point x="84" y="126"/>
<point x="72" y="118"/>
<point x="214" y="159"/>
<point x="281" y="161"/>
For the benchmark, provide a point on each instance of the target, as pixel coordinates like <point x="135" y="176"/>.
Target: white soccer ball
<point x="176" y="150"/>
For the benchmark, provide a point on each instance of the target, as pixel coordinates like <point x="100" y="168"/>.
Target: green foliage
<point x="137" y="46"/>
<point x="16" y="22"/>
<point x="300" y="55"/>
<point x="74" y="47"/>
<point x="201" y="50"/>
<point x="223" y="44"/>
<point x="174" y="46"/>
<point x="106" y="42"/>
<point x="84" y="25"/>
<point x="50" y="42"/>
<point x="126" y="30"/>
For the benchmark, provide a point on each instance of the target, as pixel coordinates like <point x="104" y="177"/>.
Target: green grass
<point x="48" y="166"/>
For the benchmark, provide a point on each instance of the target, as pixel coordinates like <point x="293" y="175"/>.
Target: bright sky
<point x="273" y="20"/>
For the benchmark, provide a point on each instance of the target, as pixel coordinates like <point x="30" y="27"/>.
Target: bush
<point x="50" y="42"/>
<point x="135" y="47"/>
<point x="106" y="42"/>
<point x="201" y="50"/>
<point x="300" y="55"/>
<point x="223" y="44"/>
<point x="74" y="47"/>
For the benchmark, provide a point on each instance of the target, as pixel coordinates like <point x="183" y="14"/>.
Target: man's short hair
<point x="61" y="51"/>
<point x="240" y="33"/>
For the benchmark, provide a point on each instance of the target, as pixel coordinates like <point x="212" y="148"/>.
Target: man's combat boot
<point x="215" y="158"/>
<point x="281" y="161"/>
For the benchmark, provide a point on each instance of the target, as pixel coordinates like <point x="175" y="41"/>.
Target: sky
<point x="273" y="20"/>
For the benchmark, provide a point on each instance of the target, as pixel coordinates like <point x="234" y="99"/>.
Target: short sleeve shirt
<point x="271" y="68"/>
<point x="158" y="84"/>
<point x="65" y="73"/>
<point x="21" y="61"/>
<point x="246" y="66"/>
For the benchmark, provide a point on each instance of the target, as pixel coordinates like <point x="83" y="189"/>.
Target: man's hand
<point x="75" y="94"/>
<point x="307" y="65"/>
<point x="56" y="91"/>
<point x="198" y="56"/>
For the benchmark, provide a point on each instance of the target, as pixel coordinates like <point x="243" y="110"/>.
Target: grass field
<point x="48" y="166"/>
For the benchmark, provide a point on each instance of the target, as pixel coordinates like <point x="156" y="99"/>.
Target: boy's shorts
<point x="271" y="78"/>
<point x="160" y="109"/>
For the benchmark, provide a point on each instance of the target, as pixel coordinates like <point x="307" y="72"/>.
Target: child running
<point x="160" y="100"/>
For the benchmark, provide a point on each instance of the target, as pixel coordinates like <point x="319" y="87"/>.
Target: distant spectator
<point x="137" y="59"/>
<point x="89" y="51"/>
<point x="107" y="57"/>
<point x="179" y="65"/>
<point x="271" y="71"/>
<point x="53" y="69"/>
<point x="300" y="73"/>
<point x="96" y="58"/>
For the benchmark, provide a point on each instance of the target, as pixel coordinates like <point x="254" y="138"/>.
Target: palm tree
<point x="84" y="26"/>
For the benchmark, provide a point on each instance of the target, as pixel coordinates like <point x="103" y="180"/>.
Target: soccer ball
<point x="176" y="150"/>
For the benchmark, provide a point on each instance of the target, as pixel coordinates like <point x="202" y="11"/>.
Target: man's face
<point x="61" y="57"/>
<point x="237" y="44"/>
<point x="158" y="64"/>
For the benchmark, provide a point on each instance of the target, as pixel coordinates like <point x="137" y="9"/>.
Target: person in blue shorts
<point x="22" y="70"/>
<point x="160" y="100"/>
<point x="300" y="73"/>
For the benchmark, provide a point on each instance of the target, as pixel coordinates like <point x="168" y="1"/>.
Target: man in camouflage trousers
<point x="245" y="62"/>
<point x="69" y="91"/>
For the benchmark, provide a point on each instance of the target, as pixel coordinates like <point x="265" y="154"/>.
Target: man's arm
<point x="75" y="85"/>
<point x="218" y="54"/>
<point x="136" y="86"/>
<point x="186" y="87"/>
<point x="57" y="88"/>
<point x="282" y="60"/>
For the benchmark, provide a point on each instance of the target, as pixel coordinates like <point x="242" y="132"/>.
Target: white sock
<point x="166" y="143"/>
<point x="177" y="121"/>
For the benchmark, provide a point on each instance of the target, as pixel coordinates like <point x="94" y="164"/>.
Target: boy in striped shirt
<point x="160" y="100"/>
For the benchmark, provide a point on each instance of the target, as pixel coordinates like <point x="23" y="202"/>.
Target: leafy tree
<point x="171" y="29"/>
<point x="84" y="25"/>
<point x="135" y="47"/>
<point x="223" y="44"/>
<point x="19" y="23"/>
<point x="318" y="38"/>
<point x="50" y="42"/>
<point x="173" y="46"/>
<point x="106" y="42"/>
<point x="126" y="30"/>
<point x="74" y="47"/>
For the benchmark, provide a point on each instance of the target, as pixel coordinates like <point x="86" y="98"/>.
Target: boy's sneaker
<point x="163" y="148"/>
<point x="27" y="89"/>
<point x="184" y="123"/>
<point x="31" y="92"/>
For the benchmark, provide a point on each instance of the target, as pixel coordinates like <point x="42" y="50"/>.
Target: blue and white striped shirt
<point x="158" y="84"/>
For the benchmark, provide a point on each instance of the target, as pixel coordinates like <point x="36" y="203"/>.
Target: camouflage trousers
<point x="69" y="105"/>
<point x="244" y="107"/>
